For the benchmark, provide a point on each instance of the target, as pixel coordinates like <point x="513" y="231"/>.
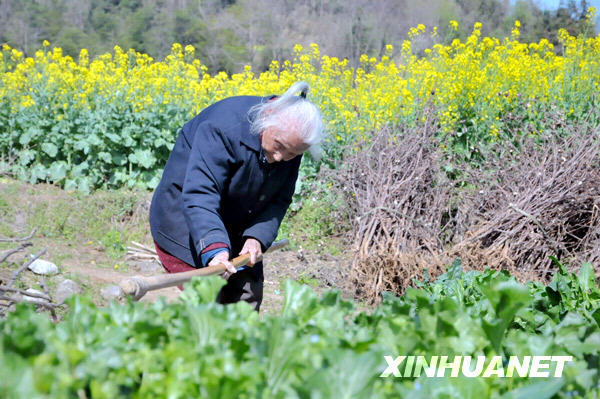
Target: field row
<point x="317" y="347"/>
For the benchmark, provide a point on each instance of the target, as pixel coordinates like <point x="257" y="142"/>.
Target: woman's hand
<point x="223" y="257"/>
<point x="253" y="248"/>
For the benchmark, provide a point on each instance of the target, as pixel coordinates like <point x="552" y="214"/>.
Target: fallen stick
<point x="3" y="239"/>
<point x="47" y="292"/>
<point x="138" y="286"/>
<point x="143" y="247"/>
<point x="131" y="255"/>
<point x="140" y="251"/>
<point x="10" y="252"/>
<point x="25" y="293"/>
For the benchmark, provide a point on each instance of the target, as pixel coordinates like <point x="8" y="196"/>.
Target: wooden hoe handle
<point x="138" y="286"/>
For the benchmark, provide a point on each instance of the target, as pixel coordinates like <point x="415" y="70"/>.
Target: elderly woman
<point x="228" y="183"/>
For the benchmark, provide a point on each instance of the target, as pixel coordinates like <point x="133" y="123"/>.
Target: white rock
<point x="65" y="289"/>
<point x="111" y="292"/>
<point x="43" y="267"/>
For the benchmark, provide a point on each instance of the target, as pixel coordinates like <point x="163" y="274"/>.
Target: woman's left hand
<point x="253" y="248"/>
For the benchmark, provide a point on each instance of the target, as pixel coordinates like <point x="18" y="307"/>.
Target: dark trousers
<point x="241" y="286"/>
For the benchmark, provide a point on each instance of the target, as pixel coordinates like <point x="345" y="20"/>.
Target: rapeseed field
<point x="111" y="121"/>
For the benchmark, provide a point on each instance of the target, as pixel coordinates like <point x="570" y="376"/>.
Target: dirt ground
<point x="70" y="244"/>
<point x="318" y="271"/>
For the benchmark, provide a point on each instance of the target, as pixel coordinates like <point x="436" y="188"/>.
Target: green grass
<point x="306" y="279"/>
<point x="315" y="225"/>
<point x="108" y="218"/>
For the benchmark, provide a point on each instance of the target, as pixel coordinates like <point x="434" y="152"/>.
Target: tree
<point x="228" y="34"/>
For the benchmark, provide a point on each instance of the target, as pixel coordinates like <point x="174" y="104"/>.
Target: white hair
<point x="291" y="109"/>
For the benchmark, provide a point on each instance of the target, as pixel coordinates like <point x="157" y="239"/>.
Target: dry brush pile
<point x="524" y="202"/>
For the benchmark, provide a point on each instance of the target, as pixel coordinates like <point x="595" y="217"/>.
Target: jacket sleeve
<point x="208" y="168"/>
<point x="265" y="226"/>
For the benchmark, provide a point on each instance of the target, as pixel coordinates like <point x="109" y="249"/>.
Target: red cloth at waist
<point x="171" y="263"/>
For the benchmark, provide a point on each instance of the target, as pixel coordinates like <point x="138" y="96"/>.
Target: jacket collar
<point x="253" y="140"/>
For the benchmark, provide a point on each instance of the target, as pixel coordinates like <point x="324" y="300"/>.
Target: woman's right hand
<point x="223" y="257"/>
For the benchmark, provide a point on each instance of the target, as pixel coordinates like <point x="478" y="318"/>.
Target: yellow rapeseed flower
<point x="483" y="77"/>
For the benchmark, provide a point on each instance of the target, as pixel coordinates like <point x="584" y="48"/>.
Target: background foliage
<point x="229" y="34"/>
<point x="111" y="121"/>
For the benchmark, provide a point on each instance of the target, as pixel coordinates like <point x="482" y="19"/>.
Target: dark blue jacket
<point x="214" y="187"/>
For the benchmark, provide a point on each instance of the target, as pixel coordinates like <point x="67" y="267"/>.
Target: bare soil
<point x="66" y="229"/>
<point x="318" y="271"/>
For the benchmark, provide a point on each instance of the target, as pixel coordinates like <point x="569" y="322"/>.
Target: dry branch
<point x="535" y="199"/>
<point x="399" y="196"/>
<point x="13" y="251"/>
<point x="141" y="252"/>
<point x="47" y="292"/>
<point x="24" y="292"/>
<point x="43" y="300"/>
<point x="16" y="273"/>
<point x="3" y="239"/>
<point x="526" y="200"/>
<point x="144" y="248"/>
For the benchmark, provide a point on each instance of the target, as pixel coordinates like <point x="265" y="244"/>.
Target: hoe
<point x="138" y="286"/>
